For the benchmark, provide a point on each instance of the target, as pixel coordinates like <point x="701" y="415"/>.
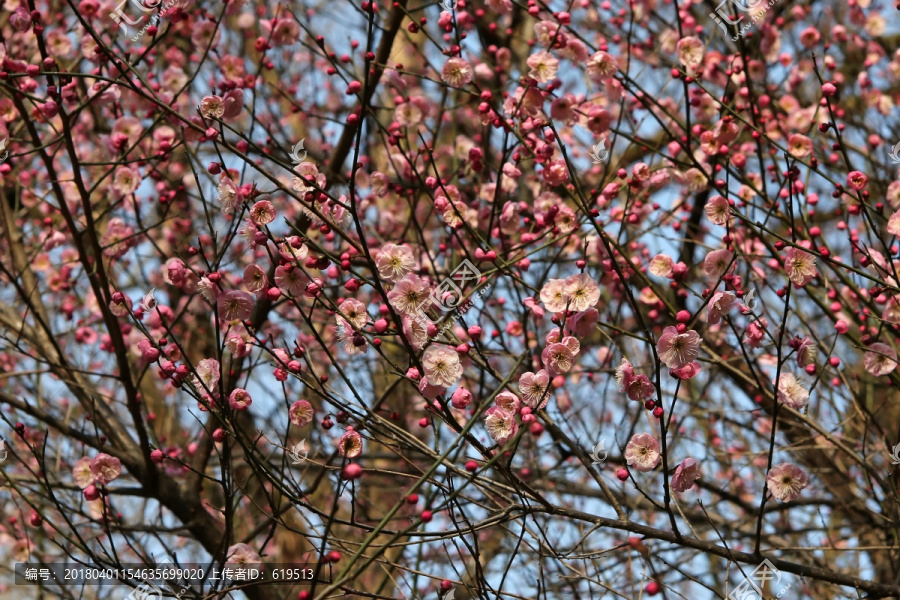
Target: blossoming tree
<point x="514" y="299"/>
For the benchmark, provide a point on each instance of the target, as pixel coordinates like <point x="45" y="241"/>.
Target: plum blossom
<point x="893" y="225"/>
<point x="301" y="413"/>
<point x="717" y="263"/>
<point x="555" y="173"/>
<point x="500" y="424"/>
<point x="126" y="180"/>
<point x="558" y="358"/>
<point x="355" y="312"/>
<point x="208" y="373"/>
<point x="230" y="196"/>
<point x="148" y="352"/>
<point x="240" y="399"/>
<point x="786" y="481"/>
<point x="351" y="342"/>
<point x="800" y="266"/>
<point x="756" y="332"/>
<point x="255" y="278"/>
<point x="717" y="210"/>
<point x="553" y="295"/>
<point x="235" y="305"/>
<point x="442" y="366"/>
<point x="536" y="310"/>
<point x="262" y="213"/>
<point x="582" y="291"/>
<point x="662" y="265"/>
<point x="394" y="261"/>
<point x="584" y="322"/>
<point x="642" y="452"/>
<point x="81" y="472"/>
<point x="105" y="468"/>
<point x="241" y="555"/>
<point x="791" y="391"/>
<point x="543" y="66"/>
<point x="685" y="475"/>
<point x="500" y="6"/>
<point x="857" y="180"/>
<point x="806" y="352"/>
<point x="456" y="72"/>
<point x="212" y="107"/>
<point x="284" y="31"/>
<point x="461" y="398"/>
<point x="508" y="402"/>
<point x="638" y="387"/>
<point x="234" y="103"/>
<point x="678" y="349"/>
<point x="720" y="305"/>
<point x="690" y="52"/>
<point x="117" y="238"/>
<point x="409" y="295"/>
<point x="799" y="145"/>
<point x="686" y="372"/>
<point x="533" y="387"/>
<point x="291" y="279"/>
<point x="880" y="359"/>
<point x="415" y="330"/>
<point x="350" y="444"/>
<point x="601" y="64"/>
<point x="430" y="391"/>
<point x="624" y="372"/>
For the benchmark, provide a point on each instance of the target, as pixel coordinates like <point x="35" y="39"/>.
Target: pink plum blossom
<point x="642" y="452"/>
<point x="105" y="468"/>
<point x="880" y="359"/>
<point x="678" y="349"/>
<point x="301" y="413"/>
<point x="442" y="366"/>
<point x="786" y="481"/>
<point x="685" y="475"/>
